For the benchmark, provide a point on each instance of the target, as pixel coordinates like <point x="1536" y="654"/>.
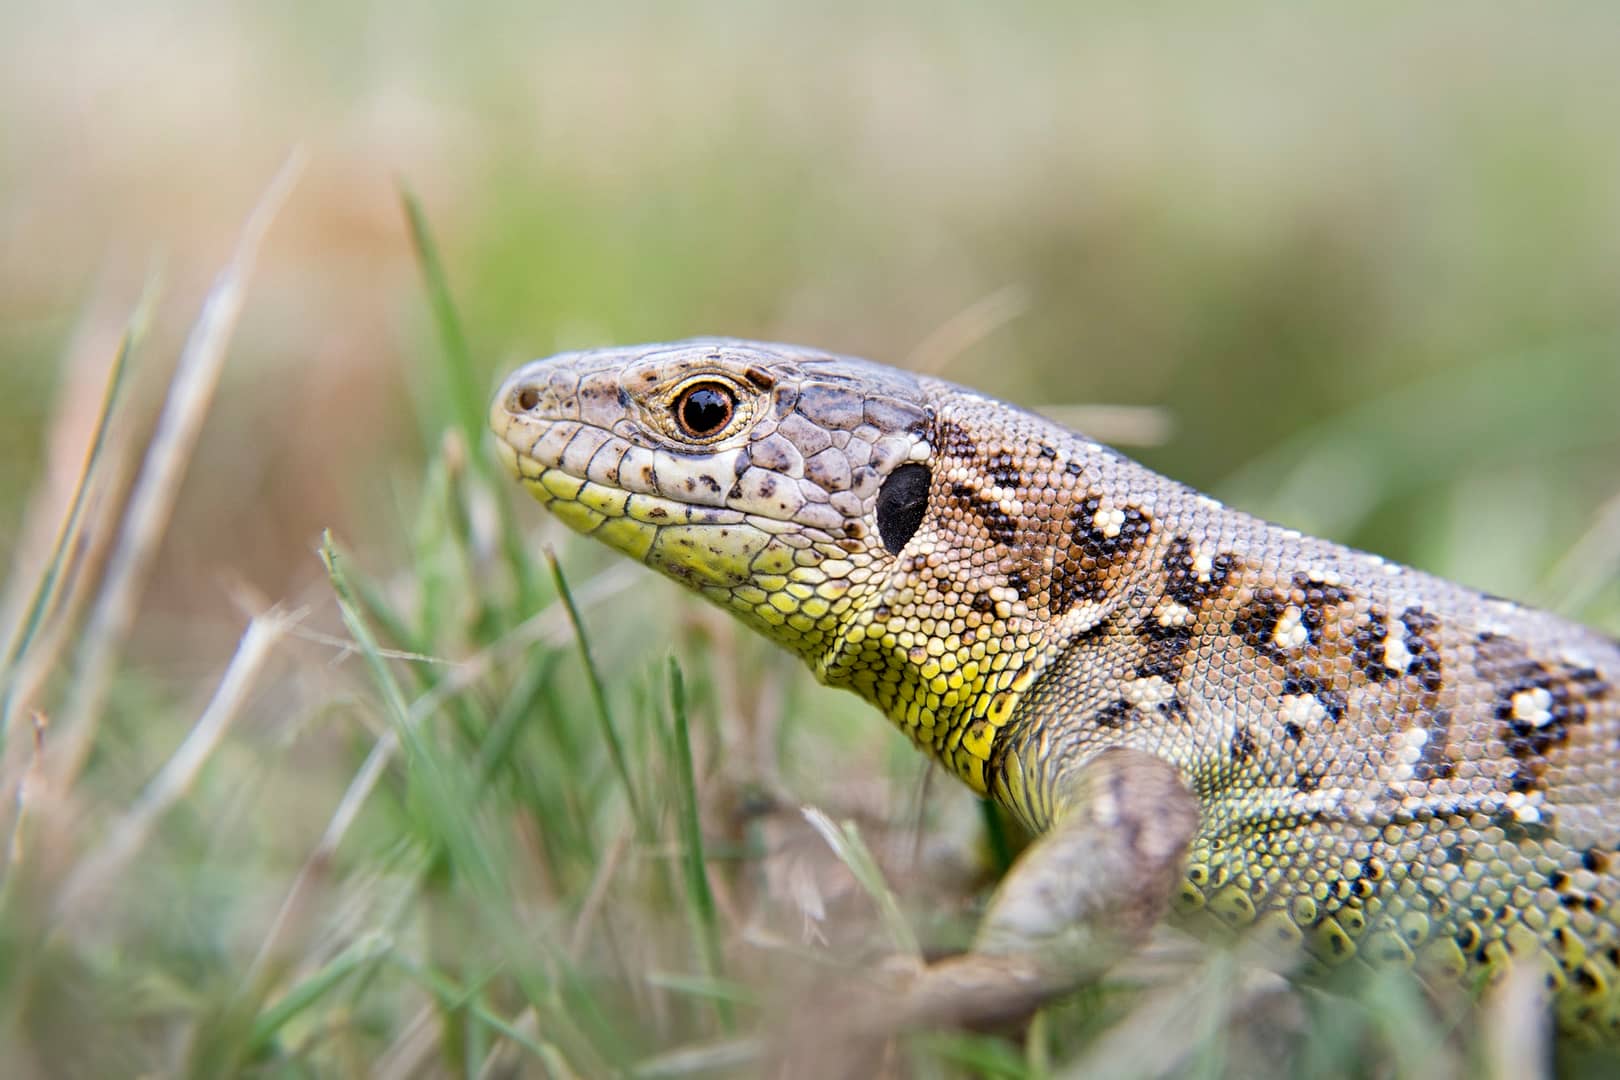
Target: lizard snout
<point x="526" y="393"/>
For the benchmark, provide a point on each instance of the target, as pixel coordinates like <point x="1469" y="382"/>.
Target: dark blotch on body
<point x="1182" y="583"/>
<point x="1570" y="692"/>
<point x="1164" y="651"/>
<point x="1423" y="642"/>
<point x="1242" y="744"/>
<point x="1368" y="646"/>
<point x="1256" y="622"/>
<point x="1113" y="714"/>
<point x="1093" y="555"/>
<point x="952" y="440"/>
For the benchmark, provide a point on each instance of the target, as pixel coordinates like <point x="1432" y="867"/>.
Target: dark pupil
<point x="705" y="411"/>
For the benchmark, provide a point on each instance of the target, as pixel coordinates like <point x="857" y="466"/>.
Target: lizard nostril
<point x="527" y="398"/>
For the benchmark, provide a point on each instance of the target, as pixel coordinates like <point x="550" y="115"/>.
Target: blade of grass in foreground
<point x="362" y="955"/>
<point x="465" y="398"/>
<point x="699" y="900"/>
<point x="45" y="592"/>
<point x="465" y="392"/>
<point x="610" y="734"/>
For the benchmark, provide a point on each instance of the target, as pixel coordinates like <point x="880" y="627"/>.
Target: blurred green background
<point x="1364" y="259"/>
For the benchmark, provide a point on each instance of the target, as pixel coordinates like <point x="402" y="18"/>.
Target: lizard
<point x="1198" y="713"/>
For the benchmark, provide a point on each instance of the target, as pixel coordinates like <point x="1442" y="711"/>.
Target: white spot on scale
<point x="1533" y="707"/>
<point x="1290" y="632"/>
<point x="1080" y="618"/>
<point x="1203" y="564"/>
<point x="1302" y="710"/>
<point x="1526" y="808"/>
<point x="1409" y="746"/>
<point x="1169" y="613"/>
<point x="1397" y="657"/>
<point x="1365" y="808"/>
<point x="1108" y="520"/>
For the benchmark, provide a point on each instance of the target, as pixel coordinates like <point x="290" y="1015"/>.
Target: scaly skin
<point x="1201" y="710"/>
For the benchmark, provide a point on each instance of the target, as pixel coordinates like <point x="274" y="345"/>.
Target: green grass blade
<point x="699" y="899"/>
<point x="722" y="991"/>
<point x="610" y="735"/>
<point x="454" y="998"/>
<point x="983" y="1056"/>
<point x="370" y="650"/>
<point x="464" y="395"/>
<point x="465" y="389"/>
<point x="361" y="955"/>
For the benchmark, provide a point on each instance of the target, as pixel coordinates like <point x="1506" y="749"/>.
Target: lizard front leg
<point x="1085" y="894"/>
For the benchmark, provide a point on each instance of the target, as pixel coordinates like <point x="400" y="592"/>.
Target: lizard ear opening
<point x="901" y="504"/>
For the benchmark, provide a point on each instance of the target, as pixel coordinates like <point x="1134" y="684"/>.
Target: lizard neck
<point x="1027" y="546"/>
<point x="953" y="687"/>
<point x="949" y="692"/>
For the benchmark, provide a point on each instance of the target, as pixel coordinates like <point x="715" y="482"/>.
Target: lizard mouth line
<point x="557" y="486"/>
<point x="703" y="546"/>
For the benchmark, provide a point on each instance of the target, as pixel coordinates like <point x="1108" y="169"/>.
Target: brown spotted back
<point x="1389" y="765"/>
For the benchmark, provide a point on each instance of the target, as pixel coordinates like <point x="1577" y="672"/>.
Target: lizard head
<point x="773" y="481"/>
<point x="818" y="498"/>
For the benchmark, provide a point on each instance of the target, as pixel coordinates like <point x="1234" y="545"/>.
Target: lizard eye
<point x="704" y="409"/>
